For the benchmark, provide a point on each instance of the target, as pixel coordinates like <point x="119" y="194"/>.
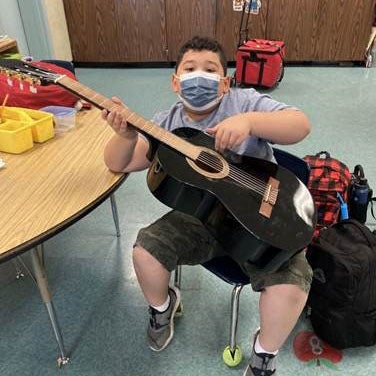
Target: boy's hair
<point x="198" y="43"/>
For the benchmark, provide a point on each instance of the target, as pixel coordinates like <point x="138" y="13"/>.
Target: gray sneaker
<point x="261" y="364"/>
<point x="161" y="326"/>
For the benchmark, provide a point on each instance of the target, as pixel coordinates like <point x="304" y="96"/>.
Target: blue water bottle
<point x="359" y="195"/>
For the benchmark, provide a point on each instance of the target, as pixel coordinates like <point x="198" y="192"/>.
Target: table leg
<point x="41" y="278"/>
<point x="115" y="214"/>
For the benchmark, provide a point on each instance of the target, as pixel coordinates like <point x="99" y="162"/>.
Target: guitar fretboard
<point x="146" y="126"/>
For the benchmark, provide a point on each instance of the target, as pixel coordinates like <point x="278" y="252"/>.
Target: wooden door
<point x="187" y="18"/>
<point x="295" y="22"/>
<point x="321" y="30"/>
<point x="228" y="24"/>
<point x="117" y="31"/>
<point x="345" y="28"/>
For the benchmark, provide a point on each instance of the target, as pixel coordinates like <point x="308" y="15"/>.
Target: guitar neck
<point x="143" y="125"/>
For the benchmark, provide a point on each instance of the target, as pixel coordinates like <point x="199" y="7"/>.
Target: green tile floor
<point x="99" y="304"/>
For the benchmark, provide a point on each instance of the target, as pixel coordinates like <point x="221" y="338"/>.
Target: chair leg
<point x="115" y="214"/>
<point x="177" y="276"/>
<point x="177" y="283"/>
<point x="19" y="272"/>
<point x="234" y="315"/>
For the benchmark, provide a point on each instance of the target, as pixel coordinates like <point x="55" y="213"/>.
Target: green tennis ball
<point x="232" y="360"/>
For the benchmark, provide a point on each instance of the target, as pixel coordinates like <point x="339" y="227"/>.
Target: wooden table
<point x="48" y="188"/>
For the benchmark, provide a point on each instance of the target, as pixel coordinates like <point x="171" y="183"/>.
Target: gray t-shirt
<point x="234" y="102"/>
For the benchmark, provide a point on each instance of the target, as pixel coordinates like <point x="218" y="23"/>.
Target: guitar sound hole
<point x="205" y="167"/>
<point x="209" y="163"/>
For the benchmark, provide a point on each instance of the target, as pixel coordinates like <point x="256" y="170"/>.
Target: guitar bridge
<point x="270" y="197"/>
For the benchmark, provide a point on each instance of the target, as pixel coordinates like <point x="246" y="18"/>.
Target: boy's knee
<point x="294" y="294"/>
<point x="140" y="254"/>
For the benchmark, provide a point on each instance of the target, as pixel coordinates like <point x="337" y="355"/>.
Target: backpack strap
<point x="363" y="229"/>
<point x="358" y="171"/>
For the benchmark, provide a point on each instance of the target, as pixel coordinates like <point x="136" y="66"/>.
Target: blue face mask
<point x="199" y="90"/>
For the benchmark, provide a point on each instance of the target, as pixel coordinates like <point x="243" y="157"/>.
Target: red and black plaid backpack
<point x="328" y="178"/>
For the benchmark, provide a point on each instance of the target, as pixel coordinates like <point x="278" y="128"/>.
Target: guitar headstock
<point x="27" y="72"/>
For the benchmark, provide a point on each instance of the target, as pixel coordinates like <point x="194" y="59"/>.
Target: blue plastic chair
<point x="229" y="271"/>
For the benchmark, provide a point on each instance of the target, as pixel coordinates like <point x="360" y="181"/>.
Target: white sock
<point x="259" y="349"/>
<point x="164" y="306"/>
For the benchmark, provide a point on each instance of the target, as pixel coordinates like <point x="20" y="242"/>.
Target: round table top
<point x="52" y="185"/>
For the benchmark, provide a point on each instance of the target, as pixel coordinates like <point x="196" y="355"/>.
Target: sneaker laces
<point x="261" y="366"/>
<point x="153" y="318"/>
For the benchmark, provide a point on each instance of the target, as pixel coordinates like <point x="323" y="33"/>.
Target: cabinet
<point x="151" y="30"/>
<point x="214" y="18"/>
<point x="133" y="31"/>
<point x="117" y="31"/>
<point x="321" y="30"/>
<point x="186" y="19"/>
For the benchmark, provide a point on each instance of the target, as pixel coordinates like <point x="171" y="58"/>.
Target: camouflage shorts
<point x="180" y="239"/>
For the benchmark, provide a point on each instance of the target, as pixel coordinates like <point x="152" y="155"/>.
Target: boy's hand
<point x="117" y="122"/>
<point x="231" y="132"/>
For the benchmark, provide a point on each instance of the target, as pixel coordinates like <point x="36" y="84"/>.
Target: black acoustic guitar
<point x="270" y="202"/>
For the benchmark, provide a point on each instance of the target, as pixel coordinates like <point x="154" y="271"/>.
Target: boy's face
<point x="206" y="61"/>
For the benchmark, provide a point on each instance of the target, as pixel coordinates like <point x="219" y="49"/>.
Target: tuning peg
<point x="21" y="80"/>
<point x="33" y="85"/>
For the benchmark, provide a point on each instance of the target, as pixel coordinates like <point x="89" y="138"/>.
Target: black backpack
<point x="342" y="299"/>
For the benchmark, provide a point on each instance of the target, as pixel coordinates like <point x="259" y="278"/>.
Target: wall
<point x="58" y="32"/>
<point x="11" y="24"/>
<point x="39" y="26"/>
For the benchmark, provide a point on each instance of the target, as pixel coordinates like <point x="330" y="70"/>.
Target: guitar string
<point x="240" y="176"/>
<point x="236" y="174"/>
<point x="249" y="184"/>
<point x="214" y="163"/>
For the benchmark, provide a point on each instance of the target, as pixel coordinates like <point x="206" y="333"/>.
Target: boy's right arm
<point x="126" y="151"/>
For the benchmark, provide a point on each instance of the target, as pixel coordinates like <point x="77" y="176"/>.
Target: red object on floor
<point x="308" y="347"/>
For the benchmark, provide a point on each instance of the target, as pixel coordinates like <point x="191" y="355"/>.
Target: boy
<point x="240" y="120"/>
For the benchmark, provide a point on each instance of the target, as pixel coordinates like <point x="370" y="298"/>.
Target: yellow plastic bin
<point x="15" y="137"/>
<point x="15" y="113"/>
<point x="42" y="125"/>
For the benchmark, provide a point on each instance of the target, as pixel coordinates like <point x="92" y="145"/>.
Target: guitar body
<point x="175" y="183"/>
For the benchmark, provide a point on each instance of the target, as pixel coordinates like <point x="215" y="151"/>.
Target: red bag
<point x="259" y="62"/>
<point x="51" y="95"/>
